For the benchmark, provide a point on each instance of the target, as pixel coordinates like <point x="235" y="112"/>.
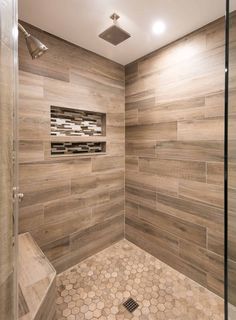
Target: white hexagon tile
<point x="97" y="287"/>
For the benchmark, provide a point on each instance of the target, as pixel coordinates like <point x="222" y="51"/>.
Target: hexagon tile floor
<point x="97" y="287"/>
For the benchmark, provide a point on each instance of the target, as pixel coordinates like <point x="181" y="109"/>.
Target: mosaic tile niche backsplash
<point x="71" y="122"/>
<point x="69" y="148"/>
<point x="67" y="123"/>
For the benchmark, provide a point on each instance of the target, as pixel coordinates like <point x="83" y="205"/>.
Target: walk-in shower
<point x="127" y="164"/>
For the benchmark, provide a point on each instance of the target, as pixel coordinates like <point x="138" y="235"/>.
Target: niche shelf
<point x="72" y="148"/>
<point x="77" y="132"/>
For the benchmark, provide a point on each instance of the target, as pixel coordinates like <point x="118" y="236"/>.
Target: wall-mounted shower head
<point x="36" y="48"/>
<point x="114" y="34"/>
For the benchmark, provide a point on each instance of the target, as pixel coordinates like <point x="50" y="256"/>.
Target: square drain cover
<point x="130" y="305"/>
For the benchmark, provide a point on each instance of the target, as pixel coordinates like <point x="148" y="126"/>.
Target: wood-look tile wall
<point x="174" y="154"/>
<point x="8" y="74"/>
<point x="73" y="207"/>
<point x="232" y="164"/>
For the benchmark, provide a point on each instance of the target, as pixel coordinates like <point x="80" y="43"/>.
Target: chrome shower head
<point x="36" y="48"/>
<point x="114" y="35"/>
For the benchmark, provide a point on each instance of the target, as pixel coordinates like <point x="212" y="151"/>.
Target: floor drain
<point x="130" y="305"/>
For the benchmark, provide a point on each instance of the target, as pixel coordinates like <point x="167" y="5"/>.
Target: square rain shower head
<point x="114" y="34"/>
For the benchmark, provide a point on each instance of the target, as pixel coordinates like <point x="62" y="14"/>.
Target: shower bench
<point x="36" y="282"/>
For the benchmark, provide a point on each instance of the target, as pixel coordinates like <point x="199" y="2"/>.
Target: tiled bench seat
<point x="36" y="282"/>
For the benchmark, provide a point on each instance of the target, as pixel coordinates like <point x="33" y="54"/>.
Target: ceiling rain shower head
<point x="36" y="48"/>
<point x="114" y="35"/>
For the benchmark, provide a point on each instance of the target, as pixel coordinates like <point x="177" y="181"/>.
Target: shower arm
<point x="22" y="29"/>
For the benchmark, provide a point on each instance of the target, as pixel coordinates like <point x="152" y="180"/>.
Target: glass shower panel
<point x="8" y="85"/>
<point x="232" y="162"/>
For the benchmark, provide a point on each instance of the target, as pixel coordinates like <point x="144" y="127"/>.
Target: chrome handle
<point x="20" y="196"/>
<point x="17" y="195"/>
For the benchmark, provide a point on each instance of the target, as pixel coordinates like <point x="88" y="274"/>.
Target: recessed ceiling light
<point x="158" y="27"/>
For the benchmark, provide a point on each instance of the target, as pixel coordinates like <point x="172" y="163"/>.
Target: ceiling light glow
<point x="158" y="27"/>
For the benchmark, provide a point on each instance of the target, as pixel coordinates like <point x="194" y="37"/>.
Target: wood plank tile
<point x="57" y="248"/>
<point x="31" y="173"/>
<point x="231" y="234"/>
<point x="73" y="207"/>
<point x="135" y="97"/>
<point x="51" y="65"/>
<point x="210" y="129"/>
<point x="140" y="196"/>
<point x="202" y="258"/>
<point x="30" y="86"/>
<point x="215" y="241"/>
<point x="115" y="133"/>
<point x="231" y="199"/>
<point x="146" y="104"/>
<point x="60" y="193"/>
<point x="215" y="173"/>
<point x="68" y="94"/>
<point x="95" y="82"/>
<point x="137" y="89"/>
<point x="31" y="217"/>
<point x="90" y="242"/>
<point x="99" y="66"/>
<point x="140" y="148"/>
<point x="131" y="70"/>
<point x="53" y="230"/>
<point x="189" y="170"/>
<point x="166" y="185"/>
<point x="232" y="131"/>
<point x="192" y="211"/>
<point x="131" y="117"/>
<point x="115" y="119"/>
<point x="160" y="132"/>
<point x="232" y="286"/>
<point x="131" y="163"/>
<point x="44" y="191"/>
<point x="215" y="105"/>
<point x="215" y="35"/>
<point x="80" y="167"/>
<point x="102" y="235"/>
<point x="232" y="175"/>
<point x="115" y="148"/>
<point x="143" y="180"/>
<point x="143" y="241"/>
<point x="178" y="227"/>
<point x="138" y="229"/>
<point x="111" y="181"/>
<point x="131" y="209"/>
<point x="191" y="150"/>
<point x="215" y="284"/>
<point x="91" y="73"/>
<point x="33" y="119"/>
<point x="107" y="163"/>
<point x="203" y="192"/>
<point x="173" y="54"/>
<point x="179" y="147"/>
<point x="30" y="151"/>
<point x="83" y="184"/>
<point x="179" y="110"/>
<point x="107" y="211"/>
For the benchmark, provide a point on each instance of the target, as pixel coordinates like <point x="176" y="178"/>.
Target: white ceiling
<point x="81" y="21"/>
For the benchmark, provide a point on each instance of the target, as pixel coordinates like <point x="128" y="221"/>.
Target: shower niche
<point x="77" y="132"/>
